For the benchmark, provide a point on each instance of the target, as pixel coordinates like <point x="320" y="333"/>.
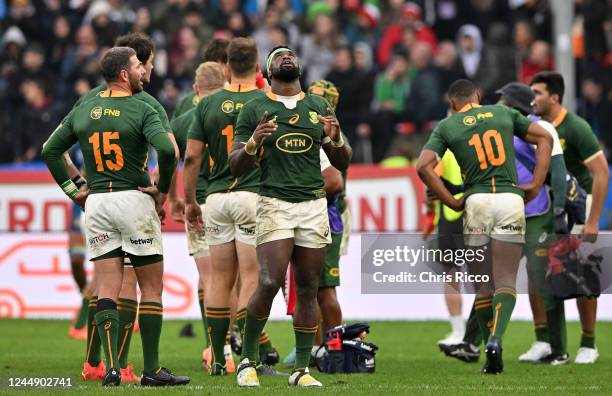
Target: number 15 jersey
<point x="113" y="132"/>
<point x="481" y="138"/>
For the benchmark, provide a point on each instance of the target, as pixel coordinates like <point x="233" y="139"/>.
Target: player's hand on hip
<point x="264" y="129"/>
<point x="458" y="204"/>
<point x="590" y="231"/>
<point x="158" y="197"/>
<point x="531" y="191"/>
<point x="177" y="210"/>
<point x="193" y="216"/>
<point x="81" y="197"/>
<point x="331" y="126"/>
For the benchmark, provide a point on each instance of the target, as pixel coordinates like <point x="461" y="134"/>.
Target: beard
<point x="286" y="74"/>
<point x="136" y="84"/>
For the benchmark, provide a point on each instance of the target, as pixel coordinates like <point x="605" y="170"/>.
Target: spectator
<point x="193" y="19"/>
<point x="317" y="49"/>
<point x="390" y="92"/>
<point x="498" y="62"/>
<point x="268" y="32"/>
<point x="34" y="121"/>
<point x="423" y="104"/>
<point x="539" y="59"/>
<point x="595" y="106"/>
<point x="523" y="37"/>
<point x="537" y="11"/>
<point x="362" y="24"/>
<point x="81" y="61"/>
<point x="447" y="66"/>
<point x="58" y="44"/>
<point x="410" y="17"/>
<point x="470" y="45"/>
<point x="354" y="103"/>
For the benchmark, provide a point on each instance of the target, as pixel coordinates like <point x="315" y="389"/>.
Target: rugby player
<point x="209" y="78"/>
<point x="480" y="137"/>
<point x="230" y="201"/>
<point x="584" y="159"/>
<point x="121" y="208"/>
<point x="285" y="130"/>
<point x="93" y="368"/>
<point x="544" y="217"/>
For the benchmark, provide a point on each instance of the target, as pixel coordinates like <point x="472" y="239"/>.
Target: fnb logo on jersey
<point x="488" y="114"/>
<point x="294" y="143"/>
<point x="98" y="239"/>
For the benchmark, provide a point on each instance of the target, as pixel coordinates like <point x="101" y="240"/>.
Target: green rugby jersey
<point x="481" y="138"/>
<point x="214" y="124"/>
<point x="180" y="126"/>
<point x="113" y="132"/>
<point x="579" y="145"/>
<point x="289" y="158"/>
<point x="142" y="95"/>
<point x="185" y="103"/>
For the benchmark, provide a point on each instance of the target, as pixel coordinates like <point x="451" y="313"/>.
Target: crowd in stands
<point x="392" y="60"/>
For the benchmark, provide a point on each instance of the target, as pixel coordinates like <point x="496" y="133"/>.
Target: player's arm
<point x="538" y="136"/>
<point x="332" y="178"/>
<point x="598" y="166"/>
<point x="426" y="165"/>
<point x="338" y="151"/>
<point x="53" y="151"/>
<point x="191" y="170"/>
<point x="243" y="157"/>
<point x="558" y="182"/>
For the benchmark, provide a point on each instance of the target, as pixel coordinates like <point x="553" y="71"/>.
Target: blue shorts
<point x="75" y="220"/>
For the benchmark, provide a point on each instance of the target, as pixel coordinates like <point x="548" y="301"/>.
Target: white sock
<point x="457" y="325"/>
<point x="227" y="350"/>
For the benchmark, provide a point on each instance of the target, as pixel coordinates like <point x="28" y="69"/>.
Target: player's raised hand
<point x="158" y="197"/>
<point x="193" y="216"/>
<point x="331" y="126"/>
<point x="264" y="129"/>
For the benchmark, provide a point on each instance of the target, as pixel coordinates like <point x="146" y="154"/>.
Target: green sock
<point x="555" y="321"/>
<point x="93" y="340"/>
<point x="503" y="305"/>
<point x="81" y="319"/>
<point x="484" y="313"/>
<point x="304" y="340"/>
<point x="107" y="322"/>
<point x="150" y="315"/>
<point x="240" y="321"/>
<point x="253" y="327"/>
<point x="203" y="314"/>
<point x="218" y="324"/>
<point x="541" y="332"/>
<point x="587" y="340"/>
<point x="127" y="316"/>
<point x="265" y="345"/>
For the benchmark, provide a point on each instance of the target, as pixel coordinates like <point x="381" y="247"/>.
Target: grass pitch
<point x="408" y="362"/>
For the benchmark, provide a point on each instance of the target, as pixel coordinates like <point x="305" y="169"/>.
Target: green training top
<point x="579" y="145"/>
<point x="481" y="138"/>
<point x="185" y="103"/>
<point x="289" y="158"/>
<point x="113" y="133"/>
<point x="180" y="126"/>
<point x="214" y="124"/>
<point x="142" y="95"/>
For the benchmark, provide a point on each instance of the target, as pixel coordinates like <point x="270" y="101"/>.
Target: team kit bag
<point x="345" y="351"/>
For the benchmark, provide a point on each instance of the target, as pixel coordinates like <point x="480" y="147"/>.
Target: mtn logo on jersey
<point x="96" y="113"/>
<point x="469" y="120"/>
<point x="294" y="143"/>
<point x="314" y="117"/>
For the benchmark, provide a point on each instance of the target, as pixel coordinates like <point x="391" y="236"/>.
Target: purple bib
<point x="525" y="164"/>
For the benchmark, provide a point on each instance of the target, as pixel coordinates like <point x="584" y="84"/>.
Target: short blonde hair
<point x="209" y="76"/>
